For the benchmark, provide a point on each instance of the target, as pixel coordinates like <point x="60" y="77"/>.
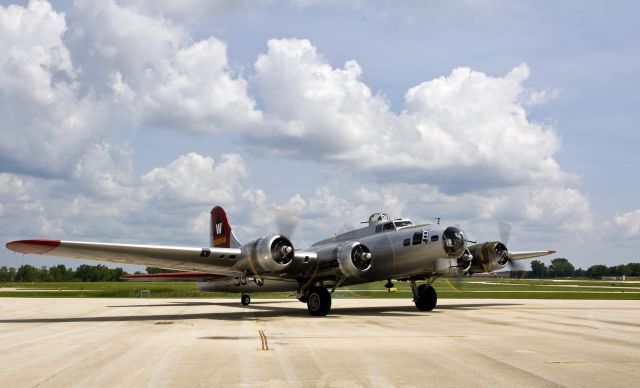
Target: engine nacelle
<point x="269" y="254"/>
<point x="354" y="259"/>
<point x="488" y="257"/>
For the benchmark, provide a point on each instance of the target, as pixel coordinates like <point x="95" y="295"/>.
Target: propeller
<point x="281" y="250"/>
<point x="286" y="221"/>
<point x="504" y="229"/>
<point x="360" y="258"/>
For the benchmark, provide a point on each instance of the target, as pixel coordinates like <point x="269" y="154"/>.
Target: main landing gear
<point x="424" y="296"/>
<point x="318" y="300"/>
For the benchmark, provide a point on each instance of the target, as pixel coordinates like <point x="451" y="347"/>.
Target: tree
<point x="43" y="274"/>
<point x="27" y="273"/>
<point x="7" y="274"/>
<point x="561" y="268"/>
<point x="538" y="269"/>
<point x="634" y="269"/>
<point x="60" y="273"/>
<point x="597" y="271"/>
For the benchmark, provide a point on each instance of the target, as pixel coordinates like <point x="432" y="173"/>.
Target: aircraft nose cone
<point x="453" y="242"/>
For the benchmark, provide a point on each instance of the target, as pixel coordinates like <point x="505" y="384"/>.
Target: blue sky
<point x="128" y="121"/>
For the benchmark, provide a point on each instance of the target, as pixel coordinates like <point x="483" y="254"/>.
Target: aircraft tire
<point x="427" y="299"/>
<point x="245" y="300"/>
<point x="319" y="301"/>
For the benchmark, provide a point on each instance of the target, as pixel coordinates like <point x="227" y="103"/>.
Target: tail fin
<point x="221" y="233"/>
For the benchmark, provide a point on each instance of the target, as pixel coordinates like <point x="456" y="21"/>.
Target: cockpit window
<point x="402" y="224"/>
<point x="378" y="228"/>
<point x="388" y="226"/>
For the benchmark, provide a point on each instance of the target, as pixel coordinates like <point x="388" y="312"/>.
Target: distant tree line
<point x="61" y="273"/>
<point x="561" y="268"/>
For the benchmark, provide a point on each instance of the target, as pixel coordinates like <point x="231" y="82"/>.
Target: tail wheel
<point x="245" y="300"/>
<point x="427" y="298"/>
<point x="319" y="301"/>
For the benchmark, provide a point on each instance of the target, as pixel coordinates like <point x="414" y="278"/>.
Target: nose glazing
<point x="453" y="242"/>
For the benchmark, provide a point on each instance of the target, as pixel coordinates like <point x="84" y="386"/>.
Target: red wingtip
<point x="552" y="252"/>
<point x="38" y="247"/>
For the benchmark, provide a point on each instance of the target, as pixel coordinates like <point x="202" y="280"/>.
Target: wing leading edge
<point x="210" y="260"/>
<point x="528" y="254"/>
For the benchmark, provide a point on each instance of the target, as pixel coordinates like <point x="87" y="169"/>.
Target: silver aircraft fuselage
<point x="399" y="249"/>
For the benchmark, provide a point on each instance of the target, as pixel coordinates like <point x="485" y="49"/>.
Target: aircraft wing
<point x="528" y="254"/>
<point x="211" y="260"/>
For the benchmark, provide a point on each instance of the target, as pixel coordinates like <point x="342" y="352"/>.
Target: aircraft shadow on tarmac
<point x="256" y="310"/>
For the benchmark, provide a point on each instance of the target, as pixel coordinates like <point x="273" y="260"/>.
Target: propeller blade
<point x="286" y="221"/>
<point x="505" y="232"/>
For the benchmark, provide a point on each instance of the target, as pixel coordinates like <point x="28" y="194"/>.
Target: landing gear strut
<point x="424" y="296"/>
<point x="245" y="299"/>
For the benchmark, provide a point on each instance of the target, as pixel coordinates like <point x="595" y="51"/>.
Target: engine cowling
<point x="354" y="259"/>
<point x="465" y="261"/>
<point x="488" y="257"/>
<point x="273" y="253"/>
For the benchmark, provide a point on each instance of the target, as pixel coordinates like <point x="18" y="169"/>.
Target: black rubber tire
<point x="319" y="301"/>
<point x="245" y="300"/>
<point x="427" y="298"/>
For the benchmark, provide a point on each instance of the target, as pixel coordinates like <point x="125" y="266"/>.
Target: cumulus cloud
<point x="108" y="201"/>
<point x="463" y="132"/>
<point x="195" y="179"/>
<point x="152" y="69"/>
<point x="44" y="125"/>
<point x="70" y="82"/>
<point x="24" y="207"/>
<point x="319" y="112"/>
<point x="106" y="170"/>
<point x="629" y="222"/>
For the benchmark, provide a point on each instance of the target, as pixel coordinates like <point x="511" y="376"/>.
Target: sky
<point x="128" y="121"/>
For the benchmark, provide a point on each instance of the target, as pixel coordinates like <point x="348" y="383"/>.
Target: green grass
<point x="452" y="288"/>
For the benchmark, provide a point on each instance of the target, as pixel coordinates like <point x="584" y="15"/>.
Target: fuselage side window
<point x="406" y="242"/>
<point x="434" y="238"/>
<point x="417" y="238"/>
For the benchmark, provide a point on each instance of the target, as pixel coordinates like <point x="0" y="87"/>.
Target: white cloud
<point x="24" y="206"/>
<point x="151" y="69"/>
<point x="106" y="170"/>
<point x="559" y="206"/>
<point x="194" y="179"/>
<point x="44" y="125"/>
<point x="196" y="91"/>
<point x="466" y="131"/>
<point x="319" y="111"/>
<point x="630" y="222"/>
